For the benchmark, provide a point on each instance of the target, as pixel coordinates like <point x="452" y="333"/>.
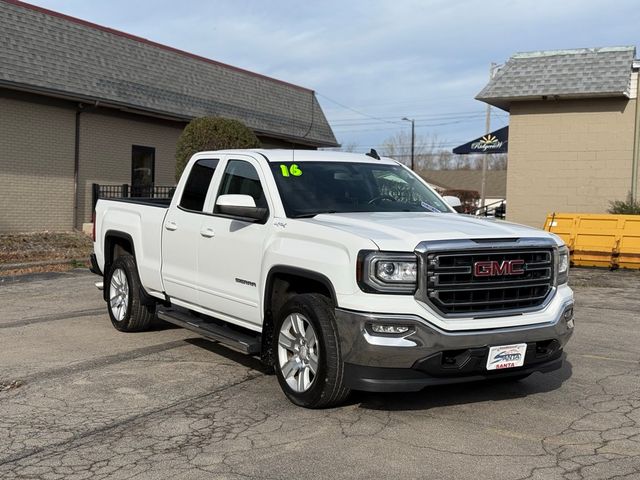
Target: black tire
<point x="327" y="388"/>
<point x="128" y="315"/>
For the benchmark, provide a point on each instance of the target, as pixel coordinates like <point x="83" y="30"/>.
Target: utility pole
<point x="413" y="138"/>
<point x="487" y="127"/>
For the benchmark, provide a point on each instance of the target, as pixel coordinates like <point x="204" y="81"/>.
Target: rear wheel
<point x="308" y="362"/>
<point x="127" y="312"/>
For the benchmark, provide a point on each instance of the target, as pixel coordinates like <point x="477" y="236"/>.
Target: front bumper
<point x="427" y="355"/>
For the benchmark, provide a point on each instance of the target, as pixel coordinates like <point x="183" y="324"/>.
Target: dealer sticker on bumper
<point x="506" y="356"/>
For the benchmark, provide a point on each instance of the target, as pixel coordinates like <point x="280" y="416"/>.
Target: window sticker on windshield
<point x="292" y="170"/>
<point x="431" y="208"/>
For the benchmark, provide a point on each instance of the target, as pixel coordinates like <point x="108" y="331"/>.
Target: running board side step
<point x="244" y="342"/>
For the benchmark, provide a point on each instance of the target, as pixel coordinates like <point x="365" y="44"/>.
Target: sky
<point x="372" y="63"/>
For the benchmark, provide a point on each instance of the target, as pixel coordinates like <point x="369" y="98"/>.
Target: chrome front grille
<point x="478" y="282"/>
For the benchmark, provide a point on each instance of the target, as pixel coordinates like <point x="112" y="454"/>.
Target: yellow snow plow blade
<point x="599" y="240"/>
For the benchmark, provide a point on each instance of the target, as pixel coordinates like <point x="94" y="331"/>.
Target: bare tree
<point x="474" y="162"/>
<point x="398" y="146"/>
<point x="499" y="162"/>
<point x="348" y="147"/>
<point x="430" y="154"/>
<point x="428" y="149"/>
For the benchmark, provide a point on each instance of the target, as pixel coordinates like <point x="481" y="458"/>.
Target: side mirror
<point x="452" y="201"/>
<point x="240" y="206"/>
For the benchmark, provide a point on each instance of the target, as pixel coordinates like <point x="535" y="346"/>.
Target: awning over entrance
<point x="494" y="142"/>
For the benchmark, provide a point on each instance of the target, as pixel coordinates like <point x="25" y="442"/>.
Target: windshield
<point x="310" y="188"/>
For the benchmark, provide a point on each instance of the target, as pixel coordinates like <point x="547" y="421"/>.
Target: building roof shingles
<point x="579" y="73"/>
<point x="54" y="54"/>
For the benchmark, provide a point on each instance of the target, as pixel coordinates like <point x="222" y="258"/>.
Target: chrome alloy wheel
<point x="298" y="352"/>
<point x="119" y="294"/>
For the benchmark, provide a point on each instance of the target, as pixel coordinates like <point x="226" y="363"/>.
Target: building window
<point x="143" y="161"/>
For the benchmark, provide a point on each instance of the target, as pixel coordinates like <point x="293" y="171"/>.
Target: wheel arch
<point x="309" y="279"/>
<point x="114" y="239"/>
<point x="282" y="282"/>
<point x="117" y="243"/>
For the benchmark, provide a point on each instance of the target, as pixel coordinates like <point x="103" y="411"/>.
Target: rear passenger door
<point x="231" y="256"/>
<point x="181" y="233"/>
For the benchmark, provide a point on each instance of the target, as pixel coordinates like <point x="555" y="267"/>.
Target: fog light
<point x="381" y="328"/>
<point x="567" y="315"/>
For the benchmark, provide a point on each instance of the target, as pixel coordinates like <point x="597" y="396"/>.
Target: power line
<point x="416" y="115"/>
<point x="407" y="146"/>
<point x="364" y="130"/>
<point x="355" y="111"/>
<point x="379" y="129"/>
<point x="456" y="117"/>
<point x="412" y="102"/>
<point x="417" y="118"/>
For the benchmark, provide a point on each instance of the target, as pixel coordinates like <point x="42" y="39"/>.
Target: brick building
<point x="573" y="129"/>
<point x="83" y="104"/>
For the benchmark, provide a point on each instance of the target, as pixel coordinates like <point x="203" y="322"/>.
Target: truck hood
<point x="400" y="231"/>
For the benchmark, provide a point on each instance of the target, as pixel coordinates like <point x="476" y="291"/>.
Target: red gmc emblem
<point x="492" y="268"/>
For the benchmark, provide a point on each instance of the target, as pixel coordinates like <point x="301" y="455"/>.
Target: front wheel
<point x="308" y="362"/>
<point x="126" y="310"/>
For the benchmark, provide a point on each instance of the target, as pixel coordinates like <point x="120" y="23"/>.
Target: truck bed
<point x="152" y="202"/>
<point x="133" y="216"/>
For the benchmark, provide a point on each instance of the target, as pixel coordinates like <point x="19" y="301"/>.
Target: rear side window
<point x="195" y="190"/>
<point x="241" y="178"/>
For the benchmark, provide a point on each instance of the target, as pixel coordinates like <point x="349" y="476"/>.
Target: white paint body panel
<point x="200" y="272"/>
<point x="180" y="237"/>
<point x="144" y="225"/>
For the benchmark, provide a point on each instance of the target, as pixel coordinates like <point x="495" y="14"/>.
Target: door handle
<point x="207" y="232"/>
<point x="171" y="226"/>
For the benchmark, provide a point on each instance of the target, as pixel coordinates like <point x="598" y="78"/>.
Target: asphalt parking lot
<point x="83" y="401"/>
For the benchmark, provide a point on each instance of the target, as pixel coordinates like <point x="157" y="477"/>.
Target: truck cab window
<point x="241" y="178"/>
<point x="195" y="190"/>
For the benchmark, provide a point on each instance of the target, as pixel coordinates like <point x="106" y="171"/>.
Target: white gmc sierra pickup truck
<point x="341" y="271"/>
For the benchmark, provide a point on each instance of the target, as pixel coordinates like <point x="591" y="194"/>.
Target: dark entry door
<point x="143" y="162"/>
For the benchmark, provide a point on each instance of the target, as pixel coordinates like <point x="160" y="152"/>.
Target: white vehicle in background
<point x="341" y="271"/>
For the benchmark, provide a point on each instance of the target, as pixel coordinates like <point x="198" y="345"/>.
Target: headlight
<point x="381" y="272"/>
<point x="563" y="266"/>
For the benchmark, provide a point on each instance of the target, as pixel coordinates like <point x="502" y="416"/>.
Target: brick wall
<point x="36" y="165"/>
<point x="568" y="156"/>
<point x="37" y="147"/>
<point x="105" y="151"/>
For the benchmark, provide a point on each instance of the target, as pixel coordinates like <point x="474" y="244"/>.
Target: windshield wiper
<point x="311" y="215"/>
